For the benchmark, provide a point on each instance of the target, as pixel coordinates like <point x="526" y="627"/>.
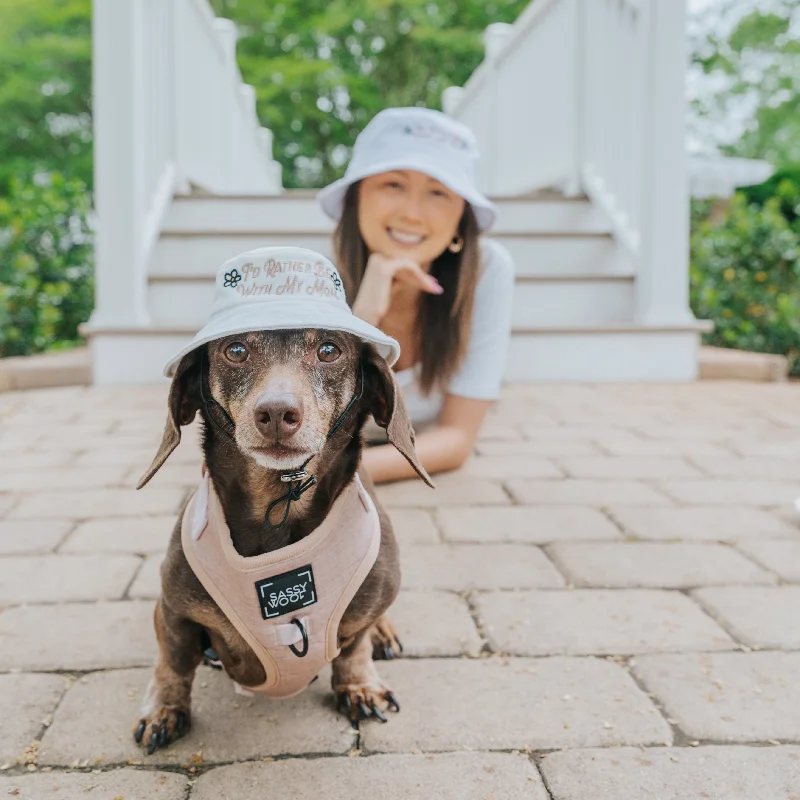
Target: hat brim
<point x="331" y="198"/>
<point x="287" y="315"/>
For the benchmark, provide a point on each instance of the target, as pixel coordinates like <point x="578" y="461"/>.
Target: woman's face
<point x="408" y="214"/>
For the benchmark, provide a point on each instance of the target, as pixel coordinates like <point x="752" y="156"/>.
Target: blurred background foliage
<point x="45" y="89"/>
<point x="745" y="270"/>
<point x="749" y="52"/>
<point x="321" y="70"/>
<point x="745" y="253"/>
<point x="46" y="286"/>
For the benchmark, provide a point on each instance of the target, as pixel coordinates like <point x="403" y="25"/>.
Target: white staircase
<point x="595" y="299"/>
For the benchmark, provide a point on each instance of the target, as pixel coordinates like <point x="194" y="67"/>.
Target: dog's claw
<point x="364" y="704"/>
<point x="140" y="732"/>
<point x="345" y="703"/>
<point x="392" y="701"/>
<point x="385" y="644"/>
<point x="151" y="748"/>
<point x="211" y="659"/>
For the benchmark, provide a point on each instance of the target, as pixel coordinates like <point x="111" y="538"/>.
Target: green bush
<point x="745" y="277"/>
<point x="785" y="185"/>
<point x="46" y="271"/>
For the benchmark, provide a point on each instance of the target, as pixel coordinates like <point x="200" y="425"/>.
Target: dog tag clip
<point x="289" y="477"/>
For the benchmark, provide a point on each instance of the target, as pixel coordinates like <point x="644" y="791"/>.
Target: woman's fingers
<point x="412" y="273"/>
<point x="382" y="276"/>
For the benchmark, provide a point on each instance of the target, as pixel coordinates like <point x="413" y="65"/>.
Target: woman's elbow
<point x="460" y="450"/>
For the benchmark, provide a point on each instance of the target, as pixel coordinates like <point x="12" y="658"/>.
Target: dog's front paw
<point x="385" y="643"/>
<point x="359" y="701"/>
<point x="163" y="726"/>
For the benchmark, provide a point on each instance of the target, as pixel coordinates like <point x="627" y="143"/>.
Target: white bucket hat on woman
<point x="419" y="139"/>
<point x="280" y="288"/>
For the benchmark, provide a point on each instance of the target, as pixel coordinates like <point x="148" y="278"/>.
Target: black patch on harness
<point x="286" y="592"/>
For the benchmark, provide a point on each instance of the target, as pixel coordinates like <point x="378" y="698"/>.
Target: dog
<point x="276" y="404"/>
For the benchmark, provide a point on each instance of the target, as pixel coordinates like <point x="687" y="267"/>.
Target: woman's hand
<point x="384" y="277"/>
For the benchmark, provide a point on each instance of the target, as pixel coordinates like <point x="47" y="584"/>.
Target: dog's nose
<point x="279" y="416"/>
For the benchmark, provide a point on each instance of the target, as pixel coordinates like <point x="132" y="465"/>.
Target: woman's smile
<point x="408" y="239"/>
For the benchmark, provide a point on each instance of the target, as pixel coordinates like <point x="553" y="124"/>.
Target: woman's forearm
<point x="439" y="449"/>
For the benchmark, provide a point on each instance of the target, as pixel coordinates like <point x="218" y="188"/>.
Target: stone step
<point x="539" y="299"/>
<point x="719" y="363"/>
<point x="64" y="368"/>
<point x="198" y="254"/>
<point x="299" y="214"/>
<point x="602" y="353"/>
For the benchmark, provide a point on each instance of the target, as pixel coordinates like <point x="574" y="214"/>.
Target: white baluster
<point x="494" y="39"/>
<point x="265" y="140"/>
<point x="451" y="99"/>
<point x="226" y="33"/>
<point x="248" y="94"/>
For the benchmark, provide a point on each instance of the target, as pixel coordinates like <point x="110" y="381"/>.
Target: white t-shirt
<point x="481" y="371"/>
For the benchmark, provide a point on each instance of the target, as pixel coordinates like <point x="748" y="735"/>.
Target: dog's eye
<point x="328" y="352"/>
<point x="236" y="352"/>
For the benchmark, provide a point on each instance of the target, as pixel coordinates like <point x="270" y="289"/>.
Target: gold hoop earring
<point x="457" y="245"/>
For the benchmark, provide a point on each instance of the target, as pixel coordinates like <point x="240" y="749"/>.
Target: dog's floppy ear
<point x="183" y="406"/>
<point x="385" y="403"/>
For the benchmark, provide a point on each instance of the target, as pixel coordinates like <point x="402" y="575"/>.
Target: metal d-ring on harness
<point x="300" y="653"/>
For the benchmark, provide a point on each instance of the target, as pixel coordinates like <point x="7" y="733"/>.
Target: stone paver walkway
<point x="604" y="604"/>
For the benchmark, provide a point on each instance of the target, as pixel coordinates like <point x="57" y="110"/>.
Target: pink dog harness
<point x="286" y="604"/>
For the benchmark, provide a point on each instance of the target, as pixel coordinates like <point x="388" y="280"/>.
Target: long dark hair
<point x="443" y="321"/>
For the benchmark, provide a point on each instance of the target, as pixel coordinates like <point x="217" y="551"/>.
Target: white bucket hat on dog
<point x="419" y="139"/>
<point x="281" y="288"/>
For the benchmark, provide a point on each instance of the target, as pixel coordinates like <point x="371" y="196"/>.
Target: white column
<point x="119" y="165"/>
<point x="662" y="281"/>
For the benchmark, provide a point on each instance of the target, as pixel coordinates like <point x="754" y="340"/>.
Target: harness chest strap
<point x="275" y="598"/>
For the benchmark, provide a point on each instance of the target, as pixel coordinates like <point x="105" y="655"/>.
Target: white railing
<point x="171" y="115"/>
<point x="520" y="101"/>
<point x="588" y="96"/>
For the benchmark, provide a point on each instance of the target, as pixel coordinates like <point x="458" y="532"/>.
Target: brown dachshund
<point x="270" y="401"/>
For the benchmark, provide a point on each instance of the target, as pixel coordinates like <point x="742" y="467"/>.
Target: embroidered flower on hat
<point x="337" y="281"/>
<point x="232" y="278"/>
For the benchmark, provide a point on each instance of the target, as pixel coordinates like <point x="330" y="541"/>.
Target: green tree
<point x="755" y="66"/>
<point x="323" y="68"/>
<point x="45" y="89"/>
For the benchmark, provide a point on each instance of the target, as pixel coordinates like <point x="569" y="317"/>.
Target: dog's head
<point x="278" y="394"/>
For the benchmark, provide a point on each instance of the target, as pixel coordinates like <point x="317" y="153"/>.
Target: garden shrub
<point x="745" y="276"/>
<point x="785" y="185"/>
<point x="46" y="264"/>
